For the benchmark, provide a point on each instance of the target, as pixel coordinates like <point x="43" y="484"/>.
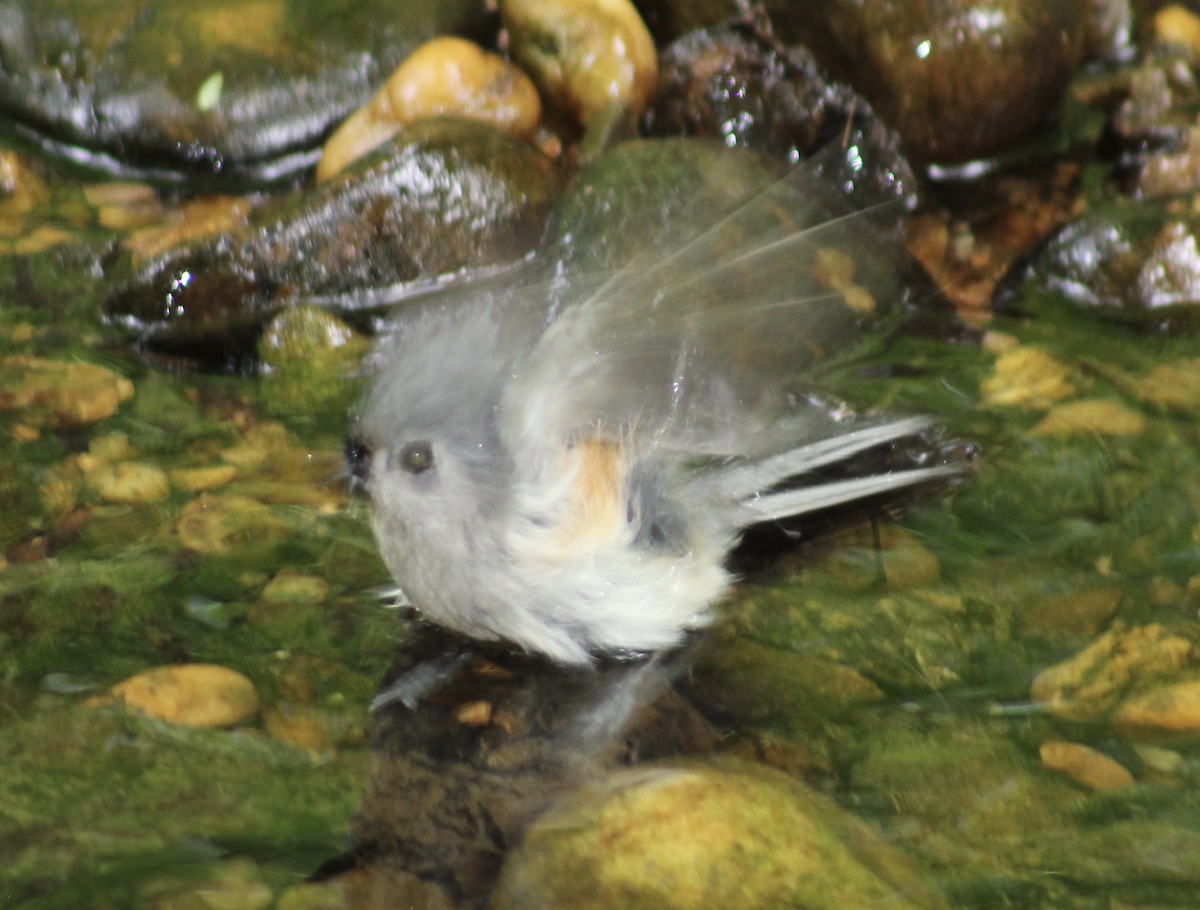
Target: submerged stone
<point x="725" y="834"/>
<point x="1085" y="766"/>
<point x="209" y="87"/>
<point x="61" y="393"/>
<point x="1090" y="684"/>
<point x="194" y="695"/>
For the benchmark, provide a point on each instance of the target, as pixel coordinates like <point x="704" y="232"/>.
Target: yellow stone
<point x="216" y="524"/>
<point x="1028" y="378"/>
<point x="1174" y="385"/>
<point x="108" y="447"/>
<point x="1176" y="24"/>
<point x="291" y="587"/>
<point x="587" y="56"/>
<point x="73" y="392"/>
<point x="727" y="835"/>
<point x="446" y="77"/>
<point x="1090" y="417"/>
<point x="192" y="695"/>
<point x="300" y="726"/>
<point x="187" y="221"/>
<point x="1085" y="766"/>
<point x="1171" y="709"/>
<point x="197" y="479"/>
<point x="129" y="482"/>
<point x="1088" y="685"/>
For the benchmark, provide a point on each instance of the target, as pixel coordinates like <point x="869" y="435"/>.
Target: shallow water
<point x="907" y="694"/>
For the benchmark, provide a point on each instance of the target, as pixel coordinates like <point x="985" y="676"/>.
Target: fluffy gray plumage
<point x="565" y="461"/>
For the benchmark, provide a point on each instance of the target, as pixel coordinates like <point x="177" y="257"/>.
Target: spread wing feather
<point x="693" y="344"/>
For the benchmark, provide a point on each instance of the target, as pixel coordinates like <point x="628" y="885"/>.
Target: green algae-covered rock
<point x="697" y="836"/>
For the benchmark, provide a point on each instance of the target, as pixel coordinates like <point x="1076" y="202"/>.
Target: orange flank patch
<point x="597" y="509"/>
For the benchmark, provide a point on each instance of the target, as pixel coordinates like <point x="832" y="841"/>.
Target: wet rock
<point x="1089" y="685"/>
<point x="22" y="191"/>
<point x="220" y="524"/>
<point x="231" y="90"/>
<point x="193" y="695"/>
<point x="442" y="195"/>
<point x="721" y="835"/>
<point x="207" y="478"/>
<point x="129" y="482"/>
<point x="60" y="393"/>
<point x="958" y="79"/>
<point x="1174" y="385"/>
<point x="1134" y="262"/>
<point x="302" y="726"/>
<point x="905" y="640"/>
<point x="593" y="60"/>
<point x="759" y="685"/>
<point x="601" y="224"/>
<point x="1085" y="766"/>
<point x="1028" y="378"/>
<point x="1080" y="612"/>
<point x="1167" y="710"/>
<point x="292" y="587"/>
<point x="308" y="360"/>
<point x="275" y="467"/>
<point x="669" y="20"/>
<point x="887" y="555"/>
<point x="446" y="77"/>
<point x="1109" y="29"/>
<point x="1090" y="417"/>
<point x="988" y="226"/>
<point x="1159" y="759"/>
<point x="740" y="85"/>
<point x="1154" y="124"/>
<point x="1175" y="24"/>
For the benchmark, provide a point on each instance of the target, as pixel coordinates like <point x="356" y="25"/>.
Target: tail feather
<point x="803" y="500"/>
<point x="745" y="479"/>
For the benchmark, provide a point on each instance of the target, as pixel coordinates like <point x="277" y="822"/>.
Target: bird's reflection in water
<point x="460" y="773"/>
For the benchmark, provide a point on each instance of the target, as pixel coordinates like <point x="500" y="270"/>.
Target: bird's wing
<point x="694" y="344"/>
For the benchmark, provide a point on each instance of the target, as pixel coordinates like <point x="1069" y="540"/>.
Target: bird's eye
<point x="417" y="457"/>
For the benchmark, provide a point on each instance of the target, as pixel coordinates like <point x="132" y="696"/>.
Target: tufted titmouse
<point x="564" y="459"/>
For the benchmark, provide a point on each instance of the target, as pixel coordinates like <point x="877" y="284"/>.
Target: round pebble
<point x="218" y="524"/>
<point x="1086" y="418"/>
<point x="192" y="695"/>
<point x="1027" y="378"/>
<point x="1085" y="766"/>
<point x="289" y="587"/>
<point x="74" y="393"/>
<point x="1172" y="709"/>
<point x="731" y="835"/>
<point x="446" y="77"/>
<point x="589" y="57"/>
<point x="196" y="479"/>
<point x="129" y="482"/>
